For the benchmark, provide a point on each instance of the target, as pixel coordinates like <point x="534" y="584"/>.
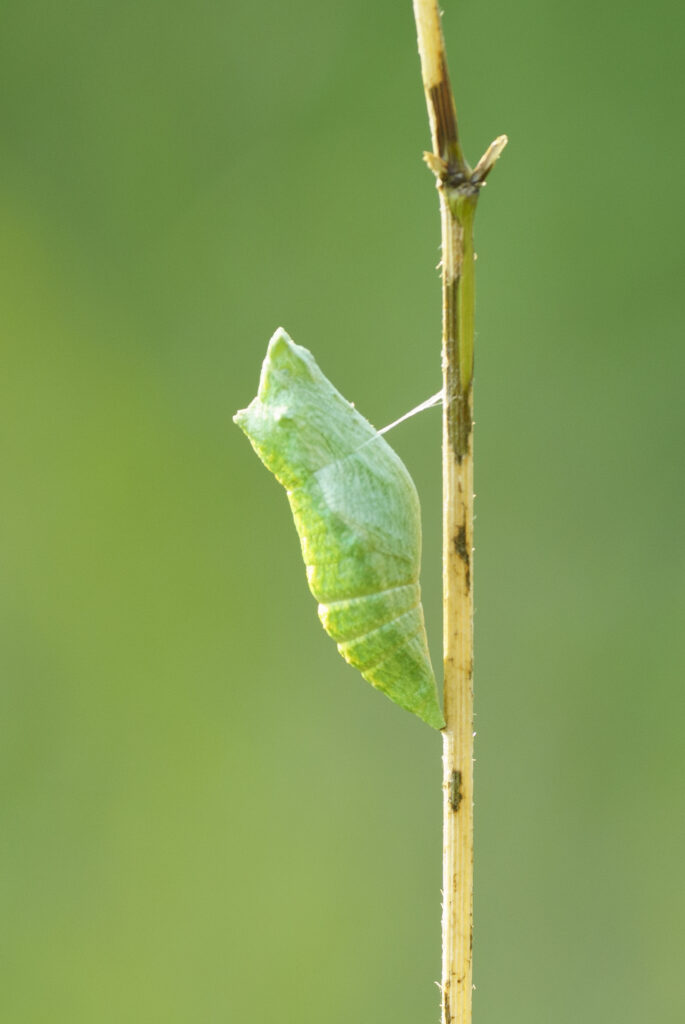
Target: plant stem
<point x="458" y="187"/>
<point x="457" y="468"/>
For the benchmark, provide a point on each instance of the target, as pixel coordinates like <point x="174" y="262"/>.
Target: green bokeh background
<point x="205" y="814"/>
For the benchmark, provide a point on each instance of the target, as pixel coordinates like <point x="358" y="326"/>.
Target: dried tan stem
<point x="457" y="465"/>
<point x="459" y="188"/>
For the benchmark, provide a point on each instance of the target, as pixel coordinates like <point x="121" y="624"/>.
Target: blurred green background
<point x="206" y="815"/>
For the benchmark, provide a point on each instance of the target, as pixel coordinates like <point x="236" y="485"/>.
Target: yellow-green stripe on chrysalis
<point x="357" y="513"/>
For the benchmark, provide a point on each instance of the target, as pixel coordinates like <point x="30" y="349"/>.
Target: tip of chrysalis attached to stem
<point x="488" y="159"/>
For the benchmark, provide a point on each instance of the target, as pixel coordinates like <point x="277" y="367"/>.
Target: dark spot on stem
<point x="442" y="101"/>
<point x="462" y="550"/>
<point x="446" y="1009"/>
<point x="460" y="544"/>
<point x="460" y="423"/>
<point x="456" y="795"/>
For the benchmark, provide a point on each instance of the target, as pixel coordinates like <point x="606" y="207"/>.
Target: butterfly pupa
<point x="357" y="514"/>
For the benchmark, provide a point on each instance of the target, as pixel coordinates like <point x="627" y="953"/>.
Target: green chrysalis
<point x="357" y="514"/>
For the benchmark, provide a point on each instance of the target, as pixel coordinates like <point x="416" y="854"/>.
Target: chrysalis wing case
<point x="357" y="513"/>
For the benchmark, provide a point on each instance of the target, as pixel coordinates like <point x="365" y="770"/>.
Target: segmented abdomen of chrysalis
<point x="357" y="513"/>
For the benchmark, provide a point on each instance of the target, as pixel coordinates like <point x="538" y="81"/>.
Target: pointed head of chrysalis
<point x="293" y="423"/>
